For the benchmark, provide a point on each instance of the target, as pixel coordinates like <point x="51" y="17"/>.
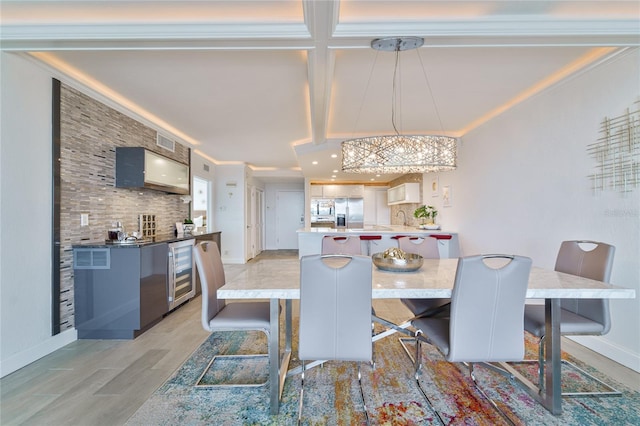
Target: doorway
<point x="255" y="221"/>
<point x="201" y="204"/>
<point x="289" y="218"/>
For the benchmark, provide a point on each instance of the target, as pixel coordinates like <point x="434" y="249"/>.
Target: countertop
<point x="159" y="239"/>
<point x="374" y="229"/>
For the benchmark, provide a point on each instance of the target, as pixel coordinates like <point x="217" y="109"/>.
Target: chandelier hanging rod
<point x="397" y="153"/>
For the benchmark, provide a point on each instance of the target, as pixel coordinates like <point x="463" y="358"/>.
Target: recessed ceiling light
<point x="314" y="162"/>
<point x="372" y="179"/>
<point x="335" y="171"/>
<point x="334" y="155"/>
<point x="333" y="180"/>
<point x="333" y="176"/>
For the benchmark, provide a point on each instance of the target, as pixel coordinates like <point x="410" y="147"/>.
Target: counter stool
<point x="368" y="239"/>
<point x="340" y="245"/>
<point x="441" y="236"/>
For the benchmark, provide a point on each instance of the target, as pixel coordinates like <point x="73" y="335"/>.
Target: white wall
<point x="25" y="215"/>
<point x="522" y="187"/>
<point x="229" y="211"/>
<point x="198" y="164"/>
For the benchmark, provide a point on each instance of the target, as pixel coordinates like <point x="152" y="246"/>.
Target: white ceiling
<point x="279" y="84"/>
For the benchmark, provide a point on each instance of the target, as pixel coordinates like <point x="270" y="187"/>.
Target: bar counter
<point x="310" y="238"/>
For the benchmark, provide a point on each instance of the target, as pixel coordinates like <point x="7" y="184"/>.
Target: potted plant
<point x="426" y="214"/>
<point x="188" y="226"/>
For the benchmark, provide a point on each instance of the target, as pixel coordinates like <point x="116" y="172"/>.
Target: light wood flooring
<point x="104" y="382"/>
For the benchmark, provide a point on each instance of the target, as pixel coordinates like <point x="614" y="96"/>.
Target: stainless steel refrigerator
<point x="349" y="212"/>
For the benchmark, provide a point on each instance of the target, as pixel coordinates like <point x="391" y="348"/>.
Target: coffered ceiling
<point x="279" y="84"/>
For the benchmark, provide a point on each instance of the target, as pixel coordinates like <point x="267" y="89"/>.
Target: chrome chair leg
<point x="301" y="402"/>
<point x="373" y="334"/>
<point x="364" y="403"/>
<point x="418" y="366"/>
<point x="431" y="312"/>
<point x="491" y="401"/>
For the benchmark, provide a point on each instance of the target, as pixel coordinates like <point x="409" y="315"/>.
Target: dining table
<point x="279" y="281"/>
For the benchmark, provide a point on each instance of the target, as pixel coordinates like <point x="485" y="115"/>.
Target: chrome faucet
<point x="404" y="217"/>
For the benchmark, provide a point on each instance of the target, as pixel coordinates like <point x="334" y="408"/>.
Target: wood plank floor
<point x="103" y="382"/>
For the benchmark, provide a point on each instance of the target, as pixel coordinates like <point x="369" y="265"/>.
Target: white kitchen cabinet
<point x="354" y="191"/>
<point x="316" y="191"/>
<point x="337" y="191"/>
<point x="404" y="193"/>
<point x="329" y="191"/>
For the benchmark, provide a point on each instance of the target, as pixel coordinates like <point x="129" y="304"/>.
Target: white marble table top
<point x="280" y="279"/>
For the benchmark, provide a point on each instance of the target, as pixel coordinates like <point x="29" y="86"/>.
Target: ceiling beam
<point x="125" y="36"/>
<point x="321" y="18"/>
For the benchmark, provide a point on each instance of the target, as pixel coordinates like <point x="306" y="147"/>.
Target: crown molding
<point x="155" y="36"/>
<point x="496" y="32"/>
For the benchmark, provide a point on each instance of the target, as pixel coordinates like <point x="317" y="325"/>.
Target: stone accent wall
<point x="408" y="209"/>
<point x="90" y="133"/>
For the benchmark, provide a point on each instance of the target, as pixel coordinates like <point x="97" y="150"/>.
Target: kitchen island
<point x="310" y="239"/>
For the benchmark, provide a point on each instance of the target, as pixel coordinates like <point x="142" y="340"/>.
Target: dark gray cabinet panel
<point x="140" y="168"/>
<point x="125" y="300"/>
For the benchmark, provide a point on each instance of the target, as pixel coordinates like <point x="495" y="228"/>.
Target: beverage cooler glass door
<point x="181" y="277"/>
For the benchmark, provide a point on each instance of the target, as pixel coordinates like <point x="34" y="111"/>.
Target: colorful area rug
<point x="332" y="395"/>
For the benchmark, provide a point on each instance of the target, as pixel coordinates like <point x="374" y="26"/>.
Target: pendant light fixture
<point x="399" y="154"/>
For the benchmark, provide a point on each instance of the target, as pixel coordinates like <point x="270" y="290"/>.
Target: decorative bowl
<point x="412" y="262"/>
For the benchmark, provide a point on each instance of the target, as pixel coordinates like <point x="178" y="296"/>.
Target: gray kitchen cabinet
<point x="140" y="168"/>
<point x="124" y="298"/>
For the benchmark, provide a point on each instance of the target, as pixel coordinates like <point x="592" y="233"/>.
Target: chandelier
<point x="398" y="154"/>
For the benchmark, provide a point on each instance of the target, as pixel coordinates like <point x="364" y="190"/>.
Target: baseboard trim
<point x="26" y="357"/>
<point x="612" y="351"/>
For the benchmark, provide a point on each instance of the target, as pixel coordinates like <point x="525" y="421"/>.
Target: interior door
<point x="258" y="228"/>
<point x="289" y="218"/>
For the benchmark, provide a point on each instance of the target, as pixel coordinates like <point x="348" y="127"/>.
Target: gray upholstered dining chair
<point x="427" y="248"/>
<point x="335" y="312"/>
<point x="332" y="244"/>
<point x="589" y="259"/>
<point x="486" y="317"/>
<point x="217" y="315"/>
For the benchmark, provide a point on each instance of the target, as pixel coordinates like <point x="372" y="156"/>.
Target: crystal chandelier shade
<point x="399" y="154"/>
<point x="394" y="154"/>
